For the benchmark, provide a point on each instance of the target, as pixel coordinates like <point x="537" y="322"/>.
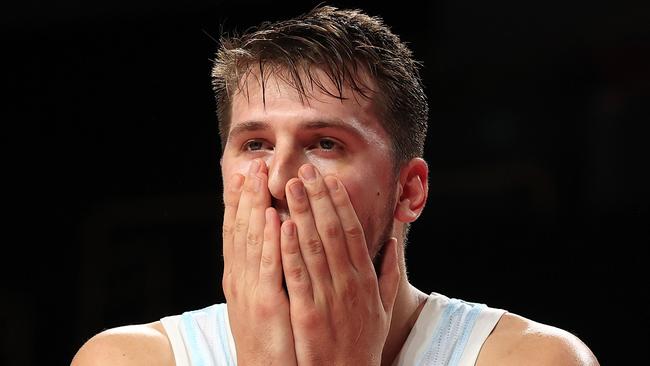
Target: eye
<point x="327" y="144"/>
<point x="256" y="145"/>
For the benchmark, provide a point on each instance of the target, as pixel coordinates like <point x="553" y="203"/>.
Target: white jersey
<point x="447" y="332"/>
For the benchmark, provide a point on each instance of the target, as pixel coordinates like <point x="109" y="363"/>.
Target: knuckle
<point x="314" y="246"/>
<point x="264" y="309"/>
<point x="228" y="230"/>
<point x="291" y="250"/>
<point x="332" y="229"/>
<point x="241" y="225"/>
<point x="253" y="239"/>
<point x="296" y="274"/>
<point x="354" y="232"/>
<point x="318" y="194"/>
<point x="229" y="290"/>
<point x="266" y="260"/>
<point x="309" y="319"/>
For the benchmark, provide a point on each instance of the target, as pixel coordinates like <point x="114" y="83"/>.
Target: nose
<point x="282" y="166"/>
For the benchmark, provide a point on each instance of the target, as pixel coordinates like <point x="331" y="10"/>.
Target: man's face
<point x="341" y="138"/>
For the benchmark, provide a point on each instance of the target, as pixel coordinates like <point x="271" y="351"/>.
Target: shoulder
<point x="520" y="341"/>
<point x="145" y="344"/>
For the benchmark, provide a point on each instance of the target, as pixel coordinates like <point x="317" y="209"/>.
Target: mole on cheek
<point x="377" y="193"/>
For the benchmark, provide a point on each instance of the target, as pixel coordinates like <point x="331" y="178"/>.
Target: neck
<point x="407" y="308"/>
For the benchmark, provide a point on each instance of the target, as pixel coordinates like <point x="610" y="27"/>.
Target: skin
<point x="310" y="161"/>
<point x="310" y="198"/>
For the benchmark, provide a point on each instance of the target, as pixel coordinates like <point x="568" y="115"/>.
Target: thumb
<point x="389" y="276"/>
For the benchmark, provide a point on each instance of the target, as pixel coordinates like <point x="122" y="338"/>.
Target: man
<point x="322" y="120"/>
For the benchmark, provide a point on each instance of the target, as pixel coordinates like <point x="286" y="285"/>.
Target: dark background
<point x="539" y="186"/>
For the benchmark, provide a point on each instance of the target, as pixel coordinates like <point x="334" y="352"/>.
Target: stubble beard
<point x="388" y="224"/>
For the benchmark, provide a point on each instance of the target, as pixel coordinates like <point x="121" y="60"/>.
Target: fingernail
<point x="288" y="228"/>
<point x="308" y="173"/>
<point x="254" y="167"/>
<point x="236" y="182"/>
<point x="332" y="184"/>
<point x="297" y="190"/>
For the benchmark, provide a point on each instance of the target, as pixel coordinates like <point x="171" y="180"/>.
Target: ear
<point x="413" y="190"/>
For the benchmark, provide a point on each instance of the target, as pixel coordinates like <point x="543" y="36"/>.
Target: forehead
<point x="274" y="98"/>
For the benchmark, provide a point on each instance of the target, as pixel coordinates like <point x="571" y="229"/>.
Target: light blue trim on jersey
<point x="451" y="334"/>
<point x="430" y="357"/>
<point x="223" y="335"/>
<point x="201" y="330"/>
<point x="194" y="351"/>
<point x="467" y="330"/>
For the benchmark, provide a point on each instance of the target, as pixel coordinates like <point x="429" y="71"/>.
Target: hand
<point x="340" y="311"/>
<point x="258" y="306"/>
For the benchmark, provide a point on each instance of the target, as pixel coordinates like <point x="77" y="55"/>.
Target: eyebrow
<point x="248" y="126"/>
<point x="332" y="123"/>
<point x="335" y="123"/>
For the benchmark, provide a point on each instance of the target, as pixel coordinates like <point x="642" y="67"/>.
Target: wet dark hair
<point x="345" y="45"/>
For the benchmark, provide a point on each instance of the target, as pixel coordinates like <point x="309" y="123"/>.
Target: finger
<point x="231" y="194"/>
<point x="243" y="216"/>
<point x="260" y="201"/>
<point x="352" y="229"/>
<point x="311" y="246"/>
<point x="299" y="286"/>
<point x="389" y="276"/>
<point x="327" y="221"/>
<point x="270" y="272"/>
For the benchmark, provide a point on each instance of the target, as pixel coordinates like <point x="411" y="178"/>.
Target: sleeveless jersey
<point x="448" y="332"/>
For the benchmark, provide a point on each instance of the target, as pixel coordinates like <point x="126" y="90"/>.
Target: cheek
<point x="367" y="196"/>
<point x="229" y="167"/>
<point x="327" y="166"/>
<point x="371" y="196"/>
